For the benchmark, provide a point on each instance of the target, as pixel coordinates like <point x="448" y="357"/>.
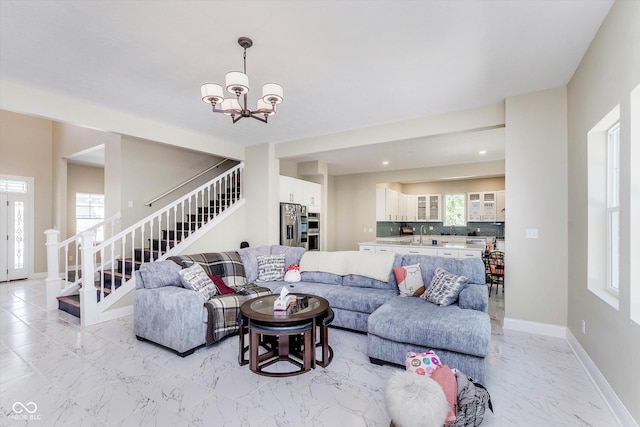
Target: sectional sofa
<point x="361" y="289"/>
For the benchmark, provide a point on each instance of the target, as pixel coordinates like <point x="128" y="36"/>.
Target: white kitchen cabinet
<point x="465" y="253"/>
<point x="418" y="251"/>
<point x="500" y="208"/>
<point x="402" y="207"/>
<point x="312" y="195"/>
<point x="448" y="253"/>
<point x="481" y="206"/>
<point x="387" y="205"/>
<point x="412" y="207"/>
<point x="291" y="190"/>
<point x="384" y="249"/>
<point x="421" y="250"/>
<point x="428" y="207"/>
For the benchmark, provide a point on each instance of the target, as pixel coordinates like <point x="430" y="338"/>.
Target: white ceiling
<point x="344" y="65"/>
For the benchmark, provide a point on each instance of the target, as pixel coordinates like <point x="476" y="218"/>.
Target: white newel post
<point x="53" y="280"/>
<point x="88" y="296"/>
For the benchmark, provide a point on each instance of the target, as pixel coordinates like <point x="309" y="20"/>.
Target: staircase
<point x="157" y="237"/>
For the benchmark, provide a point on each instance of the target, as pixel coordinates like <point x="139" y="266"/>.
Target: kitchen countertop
<point x="440" y="245"/>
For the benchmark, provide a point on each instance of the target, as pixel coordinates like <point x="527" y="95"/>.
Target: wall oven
<point x="313" y="222"/>
<point x="313" y="231"/>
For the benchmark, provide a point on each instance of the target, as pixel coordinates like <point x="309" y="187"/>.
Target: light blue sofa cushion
<point x="291" y="255"/>
<point x="472" y="268"/>
<point x="363" y="282"/>
<point x="474" y="297"/>
<point x="249" y="257"/>
<point x="342" y="297"/>
<point x="321" y="277"/>
<point x="159" y="274"/>
<point x="416" y="321"/>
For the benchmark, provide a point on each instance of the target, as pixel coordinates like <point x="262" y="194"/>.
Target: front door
<point x="14" y="230"/>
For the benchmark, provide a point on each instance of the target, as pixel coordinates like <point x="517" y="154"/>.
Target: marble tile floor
<point x="102" y="376"/>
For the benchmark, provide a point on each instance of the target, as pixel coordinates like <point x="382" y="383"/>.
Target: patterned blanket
<point x="227" y="265"/>
<point x="222" y="311"/>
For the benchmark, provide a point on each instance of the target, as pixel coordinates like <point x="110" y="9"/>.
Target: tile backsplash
<point x="391" y="229"/>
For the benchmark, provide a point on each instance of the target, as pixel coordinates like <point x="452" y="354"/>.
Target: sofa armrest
<point x="474" y="297"/>
<point x="170" y="316"/>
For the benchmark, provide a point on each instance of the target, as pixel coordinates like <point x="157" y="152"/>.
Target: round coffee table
<point x="286" y="336"/>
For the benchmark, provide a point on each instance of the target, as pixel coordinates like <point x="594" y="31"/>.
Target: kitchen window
<point x="455" y="210"/>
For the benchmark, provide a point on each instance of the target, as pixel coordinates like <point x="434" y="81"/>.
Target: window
<point x="13" y="186"/>
<point x="634" y="206"/>
<point x="613" y="207"/>
<point x="454" y="210"/>
<point x="89" y="212"/>
<point x="603" y="208"/>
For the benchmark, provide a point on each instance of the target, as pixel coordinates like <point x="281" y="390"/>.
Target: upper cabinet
<point x="312" y="193"/>
<point x="392" y="205"/>
<point x="387" y="205"/>
<point x="428" y="207"/>
<point x="293" y="190"/>
<point x="482" y="206"/>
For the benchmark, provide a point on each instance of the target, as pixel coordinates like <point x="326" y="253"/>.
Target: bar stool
<point x="326" y="353"/>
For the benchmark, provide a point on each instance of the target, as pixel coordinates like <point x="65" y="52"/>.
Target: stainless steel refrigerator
<point x="291" y="224"/>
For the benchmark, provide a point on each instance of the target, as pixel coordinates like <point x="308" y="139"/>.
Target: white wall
<point x="149" y="169"/>
<point x="25" y="150"/>
<point x="261" y="187"/>
<point x="536" y="198"/>
<point x="608" y="73"/>
<point x="226" y="236"/>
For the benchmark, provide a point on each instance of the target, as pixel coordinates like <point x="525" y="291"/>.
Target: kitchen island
<point x="446" y="246"/>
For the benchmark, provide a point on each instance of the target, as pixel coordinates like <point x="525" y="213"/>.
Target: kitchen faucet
<point x="423" y="230"/>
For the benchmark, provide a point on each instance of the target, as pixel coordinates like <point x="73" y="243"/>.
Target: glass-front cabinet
<point x="426" y="207"/>
<point x="481" y="207"/>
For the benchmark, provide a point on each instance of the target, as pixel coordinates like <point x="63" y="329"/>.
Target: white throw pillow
<point x="196" y="279"/>
<point x="409" y="278"/>
<point x="270" y="267"/>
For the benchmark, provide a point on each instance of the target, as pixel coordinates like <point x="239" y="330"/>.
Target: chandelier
<point x="237" y="83"/>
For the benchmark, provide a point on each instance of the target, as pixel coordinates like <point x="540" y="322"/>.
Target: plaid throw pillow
<point x="270" y="267"/>
<point x="196" y="279"/>
<point x="444" y="287"/>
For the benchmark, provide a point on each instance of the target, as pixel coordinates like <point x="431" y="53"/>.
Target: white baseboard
<point x="535" y="327"/>
<point x="611" y="399"/>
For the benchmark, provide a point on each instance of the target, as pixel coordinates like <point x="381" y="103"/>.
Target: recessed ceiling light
<point x="385" y="163"/>
<point x="482" y="152"/>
